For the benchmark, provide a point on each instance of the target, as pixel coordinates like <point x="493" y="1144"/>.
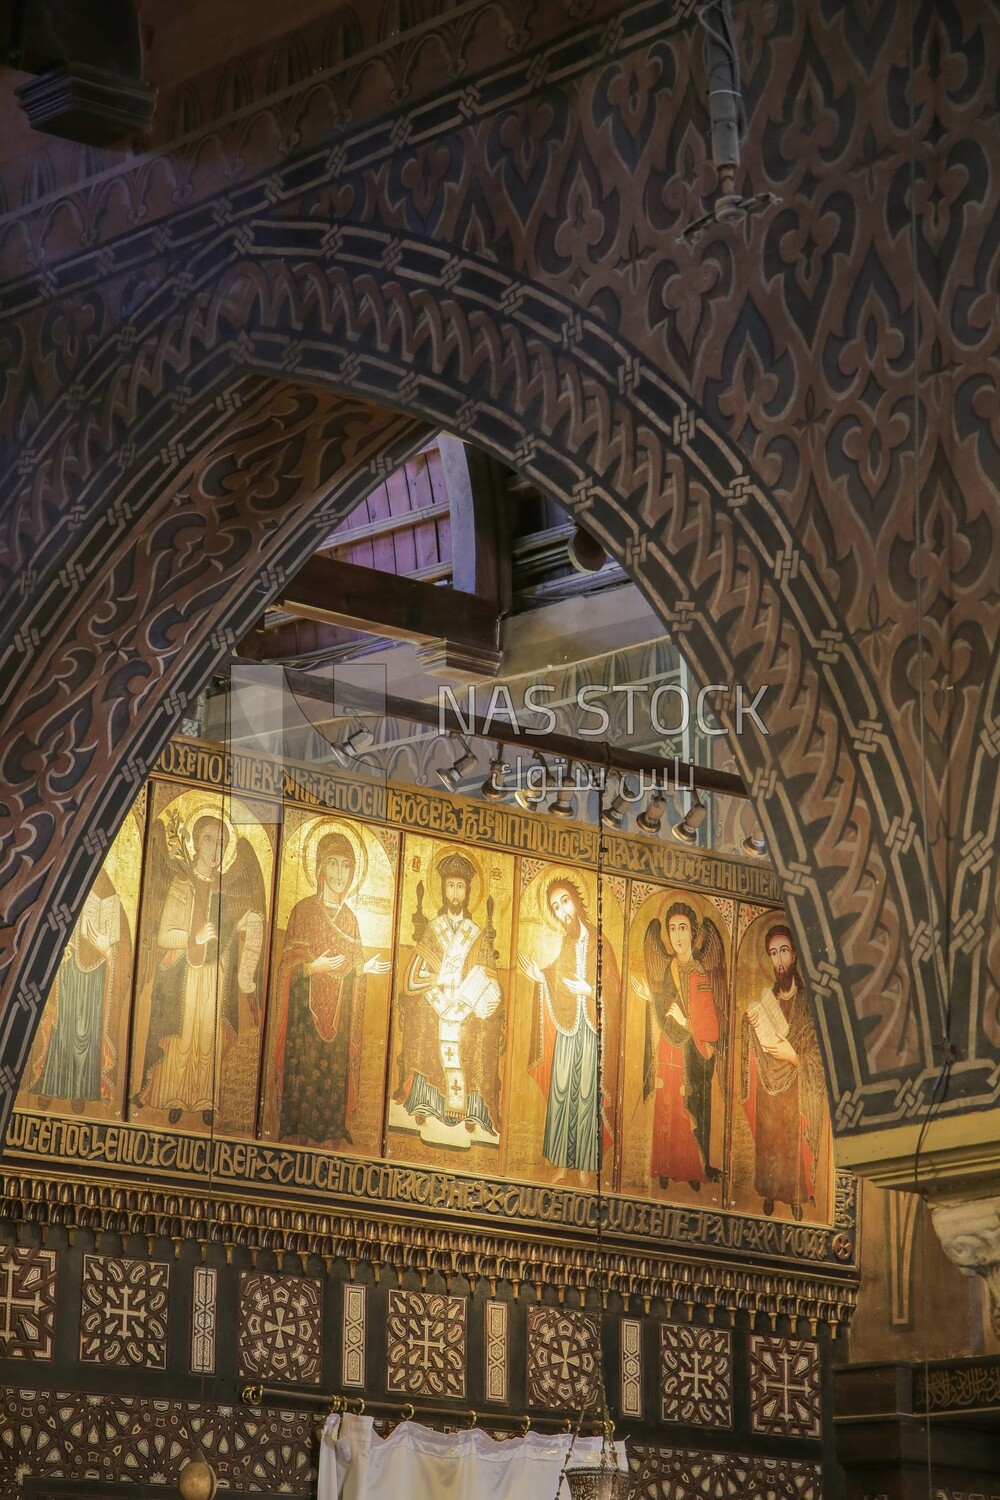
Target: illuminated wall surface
<point x="269" y="984"/>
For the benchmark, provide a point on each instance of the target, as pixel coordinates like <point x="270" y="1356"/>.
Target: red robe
<point x="683" y="1068"/>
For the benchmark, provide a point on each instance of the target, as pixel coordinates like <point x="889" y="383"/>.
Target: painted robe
<point x="77" y="1054"/>
<point x="181" y="1045"/>
<point x="451" y="1038"/>
<point x="784" y="1104"/>
<point x="679" y="1065"/>
<point x="318" y="1047"/>
<point x="563" y="1058"/>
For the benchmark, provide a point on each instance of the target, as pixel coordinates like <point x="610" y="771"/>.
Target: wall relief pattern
<point x="746" y="420"/>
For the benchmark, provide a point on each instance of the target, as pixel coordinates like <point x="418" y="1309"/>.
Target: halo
<point x="477" y="885"/>
<point x="193" y="805"/>
<point x="310" y="837"/>
<point x="550" y="876"/>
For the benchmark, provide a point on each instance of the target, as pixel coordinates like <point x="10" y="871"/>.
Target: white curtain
<point x="416" y="1463"/>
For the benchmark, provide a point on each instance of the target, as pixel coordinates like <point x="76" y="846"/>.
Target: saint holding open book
<point x="783" y="1087"/>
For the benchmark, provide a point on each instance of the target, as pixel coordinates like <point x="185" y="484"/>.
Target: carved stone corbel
<point x="970" y="1235"/>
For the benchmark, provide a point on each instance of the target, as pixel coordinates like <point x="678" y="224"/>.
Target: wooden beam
<point x="342" y="593"/>
<point x="479" y="547"/>
<point x="88" y="65"/>
<point x="334" y="601"/>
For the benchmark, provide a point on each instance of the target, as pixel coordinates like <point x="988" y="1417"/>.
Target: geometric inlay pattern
<point x="425" y="1350"/>
<point x="27" y="1302"/>
<point x="631" y="1367"/>
<point x="665" y="1473"/>
<point x="203" y="1320"/>
<point x="70" y="1435"/>
<point x="563" y="1357"/>
<point x="784" y="1387"/>
<point x="696" y="1375"/>
<point x="496" y="1320"/>
<point x="352" y="1351"/>
<point x="281" y="1327"/>
<point x="124" y="1318"/>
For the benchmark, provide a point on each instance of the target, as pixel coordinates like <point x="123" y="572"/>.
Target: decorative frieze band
<point x="678" y="1274"/>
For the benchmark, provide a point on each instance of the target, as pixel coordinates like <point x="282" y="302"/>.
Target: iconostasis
<point x="281" y="974"/>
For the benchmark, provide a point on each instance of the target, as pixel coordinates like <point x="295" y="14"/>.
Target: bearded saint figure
<point x="783" y="1085"/>
<point x="564" y="1050"/>
<point x="449" y="1083"/>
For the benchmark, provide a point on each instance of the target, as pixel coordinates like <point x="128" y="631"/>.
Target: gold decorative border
<point x="276" y="1172"/>
<point x="398" y="1244"/>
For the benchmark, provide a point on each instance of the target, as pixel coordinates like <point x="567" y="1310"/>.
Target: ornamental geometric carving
<point x="426" y="1344"/>
<point x="124" y="1316"/>
<point x="631" y="1367"/>
<point x="666" y="1473"/>
<point x="696" y="1375"/>
<point x="281" y="1327"/>
<point x="204" y="1318"/>
<point x="70" y="1435"/>
<point x="27" y="1302"/>
<point x="784" y="1387"/>
<point x="725" y="373"/>
<point x="563" y="1358"/>
<point x="496" y="1348"/>
<point x="353" y="1361"/>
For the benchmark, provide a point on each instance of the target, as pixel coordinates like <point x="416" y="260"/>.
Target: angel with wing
<point x="203" y="967"/>
<point x="687" y="1007"/>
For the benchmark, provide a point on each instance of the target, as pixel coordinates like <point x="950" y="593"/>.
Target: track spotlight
<point x="755" y="845"/>
<point x="452" y="776"/>
<point x="357" y="741"/>
<point x="687" y="829"/>
<point x="493" y="788"/>
<point x="564" y="805"/>
<point x="614" y="815"/>
<point x="651" y="817"/>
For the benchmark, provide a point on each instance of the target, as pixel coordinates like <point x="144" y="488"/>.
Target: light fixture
<point x="452" y="776"/>
<point x="493" y="788"/>
<point x="651" y="817"/>
<point x="603" y="1480"/>
<point x="614" y="815"/>
<point x="755" y="844"/>
<point x="358" y="740"/>
<point x="534" y="789"/>
<point x="687" y="829"/>
<point x="564" y="805"/>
